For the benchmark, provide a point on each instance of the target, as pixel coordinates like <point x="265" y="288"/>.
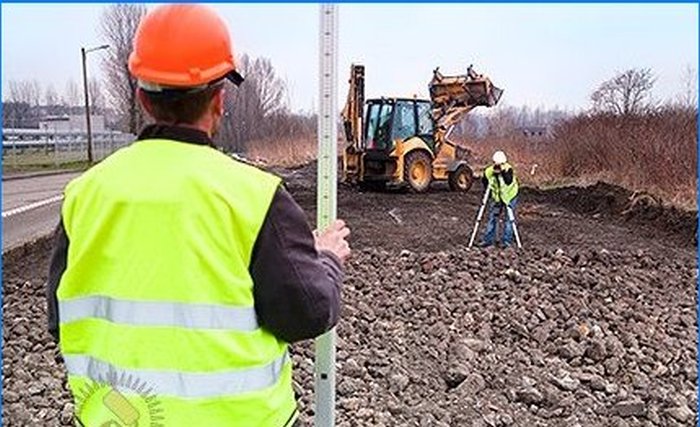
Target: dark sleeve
<point x="507" y="176"/>
<point x="56" y="269"/>
<point x="296" y="288"/>
<point x="484" y="181"/>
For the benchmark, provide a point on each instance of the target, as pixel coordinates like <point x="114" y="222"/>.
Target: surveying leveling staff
<point x="180" y="268"/>
<point x="503" y="183"/>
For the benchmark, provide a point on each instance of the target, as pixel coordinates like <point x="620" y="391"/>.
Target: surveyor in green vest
<point x="180" y="275"/>
<point x="503" y="184"/>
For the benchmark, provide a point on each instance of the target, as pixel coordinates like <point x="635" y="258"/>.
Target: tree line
<point x="26" y="102"/>
<point x="627" y="94"/>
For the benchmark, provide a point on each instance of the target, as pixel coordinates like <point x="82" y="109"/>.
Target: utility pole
<point x="326" y="194"/>
<point x="84" y="53"/>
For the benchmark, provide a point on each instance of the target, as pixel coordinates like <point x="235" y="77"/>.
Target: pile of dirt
<point x="637" y="212"/>
<point x="617" y="203"/>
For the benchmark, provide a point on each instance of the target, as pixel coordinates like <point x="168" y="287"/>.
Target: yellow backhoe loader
<point x="405" y="141"/>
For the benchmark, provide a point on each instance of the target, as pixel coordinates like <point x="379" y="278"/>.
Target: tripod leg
<point x="479" y="215"/>
<point x="511" y="218"/>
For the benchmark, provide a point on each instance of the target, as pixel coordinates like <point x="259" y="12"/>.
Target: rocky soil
<point x="593" y="323"/>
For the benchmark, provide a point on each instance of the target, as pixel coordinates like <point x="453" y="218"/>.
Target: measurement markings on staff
<point x="324" y="362"/>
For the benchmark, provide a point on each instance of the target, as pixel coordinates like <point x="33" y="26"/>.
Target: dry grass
<point x="283" y="152"/>
<point x="533" y="164"/>
<point x="655" y="153"/>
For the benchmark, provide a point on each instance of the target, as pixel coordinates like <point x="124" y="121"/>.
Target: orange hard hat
<point x="182" y="46"/>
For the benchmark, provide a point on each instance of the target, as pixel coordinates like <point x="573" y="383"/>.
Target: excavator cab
<point x="378" y="126"/>
<point x="391" y="120"/>
<point x="389" y="123"/>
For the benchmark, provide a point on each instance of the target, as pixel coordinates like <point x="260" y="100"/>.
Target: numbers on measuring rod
<point x="327" y="128"/>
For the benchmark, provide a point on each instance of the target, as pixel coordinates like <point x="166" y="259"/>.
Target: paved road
<point x="31" y="207"/>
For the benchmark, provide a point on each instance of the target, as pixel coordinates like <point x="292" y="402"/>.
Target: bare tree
<point x="688" y="98"/>
<point x="17" y="108"/>
<point x="629" y="92"/>
<point x="25" y="91"/>
<point x="97" y="99"/>
<point x="22" y="99"/>
<point x="502" y="122"/>
<point x="51" y="96"/>
<point x="20" y="109"/>
<point x="254" y="109"/>
<point x="271" y="89"/>
<point x="118" y="25"/>
<point x="72" y="97"/>
<point x="34" y="88"/>
<point x="19" y="91"/>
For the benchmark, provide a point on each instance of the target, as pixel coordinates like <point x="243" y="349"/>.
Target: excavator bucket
<point x="455" y="96"/>
<point x="469" y="90"/>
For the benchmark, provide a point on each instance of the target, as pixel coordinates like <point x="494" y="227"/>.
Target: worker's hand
<point x="332" y="239"/>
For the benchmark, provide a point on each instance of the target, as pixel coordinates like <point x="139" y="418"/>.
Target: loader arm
<point x="455" y="96"/>
<point x="353" y="124"/>
<point x="352" y="112"/>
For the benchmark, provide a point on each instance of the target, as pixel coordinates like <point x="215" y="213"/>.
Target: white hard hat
<point x="499" y="157"/>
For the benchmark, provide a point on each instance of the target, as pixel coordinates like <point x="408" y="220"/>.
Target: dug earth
<point x="593" y="323"/>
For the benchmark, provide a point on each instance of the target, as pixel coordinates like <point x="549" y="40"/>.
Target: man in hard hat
<point x="500" y="178"/>
<point x="180" y="275"/>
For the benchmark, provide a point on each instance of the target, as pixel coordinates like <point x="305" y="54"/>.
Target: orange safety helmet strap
<point x="182" y="46"/>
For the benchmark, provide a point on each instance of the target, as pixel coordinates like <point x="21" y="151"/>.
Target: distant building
<point x="72" y="123"/>
<point x="534" y="131"/>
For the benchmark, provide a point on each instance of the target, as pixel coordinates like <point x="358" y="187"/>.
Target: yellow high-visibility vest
<point x="500" y="191"/>
<point x="157" y="319"/>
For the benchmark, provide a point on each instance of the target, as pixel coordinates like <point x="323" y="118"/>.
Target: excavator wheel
<point x="418" y="170"/>
<point x="461" y="179"/>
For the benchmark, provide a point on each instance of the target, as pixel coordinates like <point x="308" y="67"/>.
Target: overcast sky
<point x="542" y="54"/>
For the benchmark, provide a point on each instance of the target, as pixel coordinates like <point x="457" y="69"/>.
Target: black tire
<point x="461" y="179"/>
<point x="418" y="170"/>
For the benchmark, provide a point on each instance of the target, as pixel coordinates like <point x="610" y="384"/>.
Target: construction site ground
<point x="592" y="323"/>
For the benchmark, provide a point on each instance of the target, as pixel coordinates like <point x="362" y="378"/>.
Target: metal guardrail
<point x="39" y="147"/>
<point x="33" y="137"/>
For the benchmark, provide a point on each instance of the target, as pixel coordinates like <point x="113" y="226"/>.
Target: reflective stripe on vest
<point x="184" y="384"/>
<point x="151" y="313"/>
